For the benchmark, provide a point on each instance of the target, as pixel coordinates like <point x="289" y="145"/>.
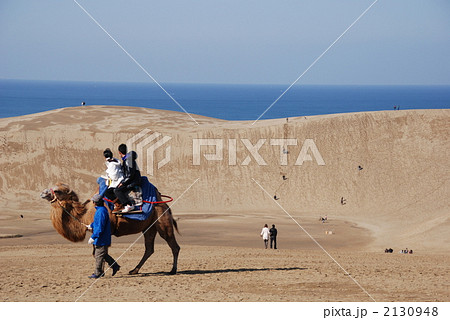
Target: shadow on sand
<point x="197" y="272"/>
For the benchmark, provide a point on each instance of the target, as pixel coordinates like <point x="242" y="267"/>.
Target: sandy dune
<point x="398" y="199"/>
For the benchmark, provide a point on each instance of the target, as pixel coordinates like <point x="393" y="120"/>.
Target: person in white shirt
<point x="265" y="235"/>
<point x="114" y="175"/>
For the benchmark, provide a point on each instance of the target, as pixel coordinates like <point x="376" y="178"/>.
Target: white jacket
<point x="114" y="174"/>
<point x="265" y="233"/>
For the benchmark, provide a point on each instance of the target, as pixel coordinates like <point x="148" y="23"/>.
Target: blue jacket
<point x="101" y="227"/>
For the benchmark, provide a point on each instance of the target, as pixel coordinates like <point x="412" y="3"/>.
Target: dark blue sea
<point x="229" y="102"/>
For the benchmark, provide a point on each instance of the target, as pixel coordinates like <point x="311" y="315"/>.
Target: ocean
<point x="224" y="101"/>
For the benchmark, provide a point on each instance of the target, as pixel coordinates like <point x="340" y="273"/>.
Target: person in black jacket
<point x="273" y="237"/>
<point x="132" y="177"/>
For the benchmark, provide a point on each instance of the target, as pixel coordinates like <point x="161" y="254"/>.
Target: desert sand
<point x="390" y="167"/>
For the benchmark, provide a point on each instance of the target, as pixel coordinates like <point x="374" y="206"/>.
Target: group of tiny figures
<point x="390" y="250"/>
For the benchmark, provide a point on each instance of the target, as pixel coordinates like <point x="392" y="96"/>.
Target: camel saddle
<point x="135" y="196"/>
<point x="146" y="192"/>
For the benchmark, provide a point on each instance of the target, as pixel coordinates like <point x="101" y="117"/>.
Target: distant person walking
<point x="273" y="237"/>
<point x="265" y="235"/>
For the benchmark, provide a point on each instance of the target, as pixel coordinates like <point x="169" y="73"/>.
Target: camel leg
<point x="149" y="237"/>
<point x="172" y="242"/>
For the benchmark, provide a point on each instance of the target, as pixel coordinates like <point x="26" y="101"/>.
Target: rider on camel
<point x="132" y="177"/>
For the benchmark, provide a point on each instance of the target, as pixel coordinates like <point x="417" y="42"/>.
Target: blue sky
<point x="397" y="42"/>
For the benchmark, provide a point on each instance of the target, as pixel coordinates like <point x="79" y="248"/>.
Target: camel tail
<point x="175" y="224"/>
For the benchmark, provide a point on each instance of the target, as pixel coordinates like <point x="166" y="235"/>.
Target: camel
<point x="69" y="217"/>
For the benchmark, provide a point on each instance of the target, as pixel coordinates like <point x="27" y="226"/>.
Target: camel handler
<point x="101" y="238"/>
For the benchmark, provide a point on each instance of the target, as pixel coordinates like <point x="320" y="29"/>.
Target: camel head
<point x="47" y="195"/>
<point x="60" y="192"/>
<point x="68" y="215"/>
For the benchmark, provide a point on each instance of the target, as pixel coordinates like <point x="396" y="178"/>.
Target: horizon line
<point x="228" y="83"/>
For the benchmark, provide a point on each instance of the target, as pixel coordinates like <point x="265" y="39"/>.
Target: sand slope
<point x="400" y="196"/>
